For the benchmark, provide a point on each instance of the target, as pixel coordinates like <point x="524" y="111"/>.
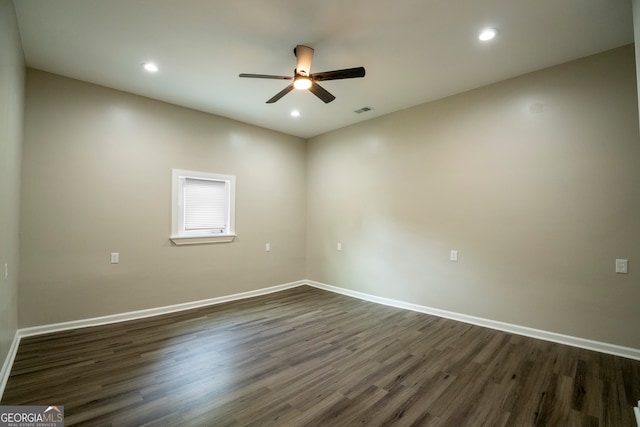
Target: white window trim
<point x="198" y="239"/>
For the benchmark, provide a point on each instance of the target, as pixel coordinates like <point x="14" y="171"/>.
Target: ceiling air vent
<point x="363" y="110"/>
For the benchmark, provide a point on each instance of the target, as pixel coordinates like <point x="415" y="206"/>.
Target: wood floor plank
<point x="307" y="357"/>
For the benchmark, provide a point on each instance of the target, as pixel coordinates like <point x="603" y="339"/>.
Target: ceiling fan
<point x="303" y="79"/>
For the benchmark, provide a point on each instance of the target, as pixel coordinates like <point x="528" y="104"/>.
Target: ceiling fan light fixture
<point x="302" y="83"/>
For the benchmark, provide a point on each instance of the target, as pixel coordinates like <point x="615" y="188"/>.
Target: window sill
<point x="202" y="240"/>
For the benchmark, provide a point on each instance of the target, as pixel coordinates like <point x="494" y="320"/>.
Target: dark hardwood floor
<point x="306" y="357"/>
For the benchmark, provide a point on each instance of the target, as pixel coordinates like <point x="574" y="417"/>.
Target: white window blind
<point x="202" y="207"/>
<point x="205" y="205"/>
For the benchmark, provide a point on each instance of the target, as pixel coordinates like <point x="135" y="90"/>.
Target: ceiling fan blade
<point x="265" y="76"/>
<point x="280" y="94"/>
<point x="321" y="93"/>
<point x="348" y="73"/>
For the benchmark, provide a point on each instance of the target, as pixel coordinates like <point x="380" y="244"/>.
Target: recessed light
<point x="487" y="34"/>
<point x="150" y="66"/>
<point x="295" y="113"/>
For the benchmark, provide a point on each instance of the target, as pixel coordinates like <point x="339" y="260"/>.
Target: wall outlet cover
<point x="622" y="266"/>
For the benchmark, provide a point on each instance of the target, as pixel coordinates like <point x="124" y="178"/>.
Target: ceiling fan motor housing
<point x="304" y="55"/>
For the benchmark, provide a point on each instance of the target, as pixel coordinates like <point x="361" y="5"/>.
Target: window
<point x="203" y="207"/>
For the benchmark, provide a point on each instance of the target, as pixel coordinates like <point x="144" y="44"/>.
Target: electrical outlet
<point x="115" y="257"/>
<point x="622" y="266"/>
<point x="339" y="246"/>
<point x="454" y="256"/>
<point x="267" y="247"/>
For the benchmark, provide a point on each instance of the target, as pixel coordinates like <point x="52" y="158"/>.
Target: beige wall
<point x="534" y="180"/>
<point x="636" y="37"/>
<point x="97" y="179"/>
<point x="11" y="115"/>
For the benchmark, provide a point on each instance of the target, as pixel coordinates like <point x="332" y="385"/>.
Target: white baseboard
<point x="616" y="350"/>
<point x="8" y="362"/>
<point x="140" y="314"/>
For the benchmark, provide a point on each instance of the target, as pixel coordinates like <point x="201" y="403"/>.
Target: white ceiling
<point x="414" y="51"/>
